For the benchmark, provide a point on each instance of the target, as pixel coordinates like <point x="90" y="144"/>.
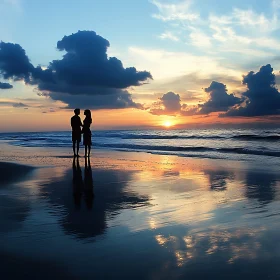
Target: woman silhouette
<point x="87" y="132"/>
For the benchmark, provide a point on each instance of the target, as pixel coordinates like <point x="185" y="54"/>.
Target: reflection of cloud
<point x="218" y="178"/>
<point x="230" y="245"/>
<point x="260" y="186"/>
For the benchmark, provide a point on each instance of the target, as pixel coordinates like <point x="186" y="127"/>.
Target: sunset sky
<point x="139" y="63"/>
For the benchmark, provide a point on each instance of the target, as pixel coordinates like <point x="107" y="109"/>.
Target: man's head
<point x="77" y="112"/>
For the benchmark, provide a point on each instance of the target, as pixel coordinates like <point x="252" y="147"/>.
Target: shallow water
<point x="151" y="217"/>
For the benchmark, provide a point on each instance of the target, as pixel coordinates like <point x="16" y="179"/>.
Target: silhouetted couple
<point x="81" y="186"/>
<point x="78" y="129"/>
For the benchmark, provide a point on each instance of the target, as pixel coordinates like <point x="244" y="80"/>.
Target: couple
<point x="77" y="132"/>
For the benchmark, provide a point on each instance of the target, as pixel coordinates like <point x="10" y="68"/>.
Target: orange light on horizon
<point x="167" y="124"/>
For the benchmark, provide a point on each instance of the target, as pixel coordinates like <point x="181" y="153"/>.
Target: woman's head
<point x="87" y="113"/>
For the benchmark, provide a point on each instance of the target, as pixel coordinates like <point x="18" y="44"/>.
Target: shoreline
<point x="51" y="156"/>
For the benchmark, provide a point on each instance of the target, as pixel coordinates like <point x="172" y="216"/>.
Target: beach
<point x="146" y="217"/>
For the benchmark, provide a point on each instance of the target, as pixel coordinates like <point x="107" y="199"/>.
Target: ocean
<point x="232" y="144"/>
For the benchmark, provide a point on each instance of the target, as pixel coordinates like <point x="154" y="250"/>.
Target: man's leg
<point x="89" y="147"/>
<point x="74" y="148"/>
<point x="85" y="150"/>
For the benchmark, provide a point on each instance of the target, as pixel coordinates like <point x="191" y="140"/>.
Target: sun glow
<point x="167" y="124"/>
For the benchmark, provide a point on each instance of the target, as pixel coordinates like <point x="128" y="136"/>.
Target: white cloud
<point x="174" y="12"/>
<point x="169" y="35"/>
<point x="165" y="65"/>
<point x="200" y="39"/>
<point x="250" y="18"/>
<point x="228" y="37"/>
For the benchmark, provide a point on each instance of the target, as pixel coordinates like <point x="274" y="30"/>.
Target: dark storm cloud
<point x="219" y="99"/>
<point x="14" y="63"/>
<point x="5" y="86"/>
<point x="262" y="97"/>
<point x="85" y="71"/>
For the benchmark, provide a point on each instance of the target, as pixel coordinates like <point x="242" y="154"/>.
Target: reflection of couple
<point x="76" y="125"/>
<point x="81" y="186"/>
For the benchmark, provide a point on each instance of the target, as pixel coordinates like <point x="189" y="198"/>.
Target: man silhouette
<point x="76" y="130"/>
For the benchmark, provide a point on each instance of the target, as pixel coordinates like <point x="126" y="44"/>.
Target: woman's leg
<point x="78" y="147"/>
<point x="89" y="148"/>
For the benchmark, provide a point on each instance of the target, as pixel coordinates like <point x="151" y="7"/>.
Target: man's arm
<point x="72" y="122"/>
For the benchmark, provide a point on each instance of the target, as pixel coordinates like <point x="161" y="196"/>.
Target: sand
<point x="136" y="216"/>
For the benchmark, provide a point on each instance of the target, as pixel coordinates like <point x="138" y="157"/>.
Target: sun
<point x="167" y="124"/>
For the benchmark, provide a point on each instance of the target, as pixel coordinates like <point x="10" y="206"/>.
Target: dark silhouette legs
<point x="87" y="150"/>
<point x="78" y="147"/>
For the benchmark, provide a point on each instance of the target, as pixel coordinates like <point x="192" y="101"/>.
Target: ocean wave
<point x="244" y="137"/>
<point x="191" y="149"/>
<point x="255" y="137"/>
<point x="154" y="136"/>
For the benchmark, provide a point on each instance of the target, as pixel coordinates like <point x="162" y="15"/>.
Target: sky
<point x="139" y="64"/>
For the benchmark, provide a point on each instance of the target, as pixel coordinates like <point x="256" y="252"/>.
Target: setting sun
<point x="167" y="124"/>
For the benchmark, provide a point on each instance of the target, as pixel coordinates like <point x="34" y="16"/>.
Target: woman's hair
<point x="88" y="114"/>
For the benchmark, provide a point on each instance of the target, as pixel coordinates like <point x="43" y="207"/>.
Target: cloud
<point x="86" y="64"/>
<point x="118" y="99"/>
<point x="262" y="97"/>
<point x="200" y="39"/>
<point x="85" y="71"/>
<point x="170" y="104"/>
<point x="219" y="99"/>
<point x="51" y="110"/>
<point x="19" y="105"/>
<point x="14" y="63"/>
<point x="169" y="35"/>
<point x="5" y="86"/>
<point x="174" y="11"/>
<point x="169" y="65"/>
<point x="13" y="104"/>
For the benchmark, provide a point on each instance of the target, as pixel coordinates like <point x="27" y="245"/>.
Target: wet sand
<point x="137" y="216"/>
